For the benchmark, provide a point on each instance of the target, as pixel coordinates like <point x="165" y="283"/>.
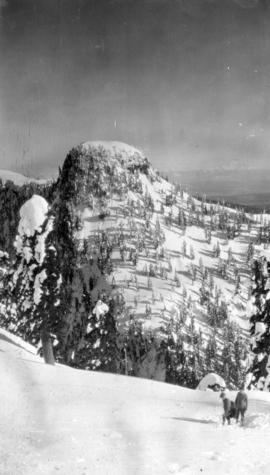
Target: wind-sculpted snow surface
<point x="57" y="420"/>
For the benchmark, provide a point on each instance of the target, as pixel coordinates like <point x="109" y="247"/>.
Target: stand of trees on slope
<point x="259" y="312"/>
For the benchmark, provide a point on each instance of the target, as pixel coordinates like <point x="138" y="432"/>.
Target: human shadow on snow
<point x="192" y="419"/>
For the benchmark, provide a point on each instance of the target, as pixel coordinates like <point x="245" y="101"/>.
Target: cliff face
<point x="93" y="185"/>
<point x="98" y="170"/>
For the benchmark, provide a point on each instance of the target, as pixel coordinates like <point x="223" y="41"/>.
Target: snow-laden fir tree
<point x="99" y="348"/>
<point x="29" y="273"/>
<point x="259" y="314"/>
<point x="49" y="309"/>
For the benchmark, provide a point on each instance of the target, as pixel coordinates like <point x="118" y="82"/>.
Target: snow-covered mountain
<point x="58" y="420"/>
<point x="174" y="271"/>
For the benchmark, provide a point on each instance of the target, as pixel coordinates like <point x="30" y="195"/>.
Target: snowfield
<point x="56" y="420"/>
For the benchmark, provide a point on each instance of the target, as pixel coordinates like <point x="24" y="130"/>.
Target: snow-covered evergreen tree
<point x="49" y="304"/>
<point x="99" y="349"/>
<point x="28" y="273"/>
<point x="259" y="314"/>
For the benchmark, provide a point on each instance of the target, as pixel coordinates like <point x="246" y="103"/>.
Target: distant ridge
<point x="19" y="179"/>
<point x="242" y="187"/>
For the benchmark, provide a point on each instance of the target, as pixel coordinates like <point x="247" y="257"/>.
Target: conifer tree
<point x="27" y="269"/>
<point x="260" y="329"/>
<point x="250" y="252"/>
<point x="184" y="248"/>
<point x="175" y="357"/>
<point x="217" y="249"/>
<point x="99" y="349"/>
<point x="211" y="354"/>
<point x="177" y="280"/>
<point x="184" y="293"/>
<point x="201" y="266"/>
<point x="8" y="301"/>
<point x="211" y="282"/>
<point x="49" y="308"/>
<point x="229" y="257"/>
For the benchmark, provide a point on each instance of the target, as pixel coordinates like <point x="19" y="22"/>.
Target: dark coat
<point x="241" y="401"/>
<point x="229" y="408"/>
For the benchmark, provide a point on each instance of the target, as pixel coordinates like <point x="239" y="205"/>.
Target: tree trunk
<point x="47" y="347"/>
<point x="126" y="362"/>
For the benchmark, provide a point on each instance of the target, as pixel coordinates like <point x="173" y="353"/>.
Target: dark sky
<point x="188" y="81"/>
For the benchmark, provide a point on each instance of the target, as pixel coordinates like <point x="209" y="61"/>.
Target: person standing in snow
<point x="229" y="408"/>
<point x="241" y="404"/>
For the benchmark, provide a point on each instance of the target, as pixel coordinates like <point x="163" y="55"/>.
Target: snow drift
<point x="57" y="420"/>
<point x="210" y="381"/>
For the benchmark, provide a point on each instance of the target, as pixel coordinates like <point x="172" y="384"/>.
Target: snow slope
<point x="165" y="296"/>
<point x="57" y="420"/>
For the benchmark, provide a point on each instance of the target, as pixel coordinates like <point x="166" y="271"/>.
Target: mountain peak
<point x="110" y="153"/>
<point x="113" y="148"/>
<point x="97" y="162"/>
